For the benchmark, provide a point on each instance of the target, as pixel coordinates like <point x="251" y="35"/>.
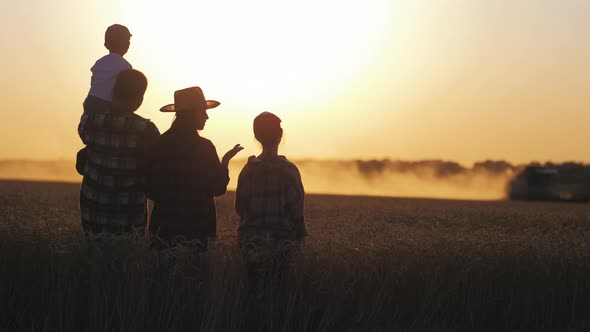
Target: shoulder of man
<point x="206" y="143"/>
<point x="137" y="117"/>
<point x="137" y="123"/>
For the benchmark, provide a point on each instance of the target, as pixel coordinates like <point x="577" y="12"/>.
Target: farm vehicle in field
<point x="542" y="183"/>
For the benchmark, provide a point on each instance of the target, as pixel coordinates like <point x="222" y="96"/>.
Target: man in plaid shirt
<point x="112" y="197"/>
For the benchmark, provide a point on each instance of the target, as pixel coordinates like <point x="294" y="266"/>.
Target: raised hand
<point x="230" y="154"/>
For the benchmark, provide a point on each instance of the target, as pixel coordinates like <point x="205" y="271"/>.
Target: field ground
<point x="369" y="264"/>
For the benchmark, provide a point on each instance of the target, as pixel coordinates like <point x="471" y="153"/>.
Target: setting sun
<point x="259" y="51"/>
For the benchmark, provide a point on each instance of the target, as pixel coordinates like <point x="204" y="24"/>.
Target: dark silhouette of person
<point x="185" y="174"/>
<point x="270" y="203"/>
<point x="112" y="196"/>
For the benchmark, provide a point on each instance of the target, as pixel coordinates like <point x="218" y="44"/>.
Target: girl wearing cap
<point x="269" y="201"/>
<point x="185" y="174"/>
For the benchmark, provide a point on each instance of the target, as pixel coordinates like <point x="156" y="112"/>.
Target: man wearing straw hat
<point x="185" y="173"/>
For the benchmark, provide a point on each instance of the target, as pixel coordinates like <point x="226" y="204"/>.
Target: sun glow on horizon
<point x="465" y="80"/>
<point x="283" y="54"/>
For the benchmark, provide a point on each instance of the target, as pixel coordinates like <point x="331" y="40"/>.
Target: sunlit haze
<point x="456" y="80"/>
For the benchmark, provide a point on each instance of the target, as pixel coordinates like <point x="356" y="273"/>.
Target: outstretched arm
<point x="218" y="171"/>
<point x="230" y="154"/>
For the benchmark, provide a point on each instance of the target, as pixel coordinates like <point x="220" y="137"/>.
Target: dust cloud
<point x="486" y="180"/>
<point x="37" y="170"/>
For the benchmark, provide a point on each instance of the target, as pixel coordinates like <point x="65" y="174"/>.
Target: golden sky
<point x="461" y="80"/>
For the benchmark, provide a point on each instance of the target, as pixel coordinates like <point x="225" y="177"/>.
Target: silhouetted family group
<point x="126" y="162"/>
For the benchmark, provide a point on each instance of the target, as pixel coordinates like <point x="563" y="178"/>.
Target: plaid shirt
<point x="184" y="176"/>
<point x="270" y="199"/>
<point x="112" y="192"/>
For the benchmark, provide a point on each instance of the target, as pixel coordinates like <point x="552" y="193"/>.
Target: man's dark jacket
<point x="184" y="176"/>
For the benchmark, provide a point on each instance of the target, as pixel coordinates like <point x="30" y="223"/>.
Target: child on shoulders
<point x="105" y="70"/>
<point x="117" y="39"/>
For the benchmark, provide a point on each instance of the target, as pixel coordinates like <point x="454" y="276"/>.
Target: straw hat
<point x="190" y="99"/>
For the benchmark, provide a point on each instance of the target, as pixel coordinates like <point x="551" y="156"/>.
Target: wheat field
<point x="369" y="264"/>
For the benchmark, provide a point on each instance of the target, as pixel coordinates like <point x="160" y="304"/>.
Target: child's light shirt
<point x="104" y="74"/>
